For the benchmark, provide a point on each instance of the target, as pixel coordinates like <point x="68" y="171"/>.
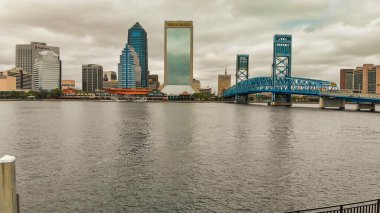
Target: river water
<point x="188" y="157"/>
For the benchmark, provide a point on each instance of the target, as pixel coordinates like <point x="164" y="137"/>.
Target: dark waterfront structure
<point x="137" y="38"/>
<point x="153" y="82"/>
<point x="92" y="77"/>
<point x="109" y="76"/>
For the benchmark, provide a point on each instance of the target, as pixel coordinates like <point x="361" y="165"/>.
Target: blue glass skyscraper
<point x="129" y="69"/>
<point x="137" y="38"/>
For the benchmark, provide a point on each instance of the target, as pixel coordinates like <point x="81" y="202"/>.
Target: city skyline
<point x="327" y="35"/>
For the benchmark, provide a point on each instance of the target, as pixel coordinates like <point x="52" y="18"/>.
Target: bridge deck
<point x="296" y="86"/>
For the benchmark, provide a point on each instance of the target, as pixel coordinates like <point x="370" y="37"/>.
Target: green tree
<point x="55" y="93"/>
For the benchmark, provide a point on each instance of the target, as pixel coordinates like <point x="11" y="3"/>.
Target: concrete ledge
<point x="365" y="106"/>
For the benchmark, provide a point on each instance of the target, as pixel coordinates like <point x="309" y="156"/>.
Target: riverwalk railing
<point x="371" y="206"/>
<point x="350" y="94"/>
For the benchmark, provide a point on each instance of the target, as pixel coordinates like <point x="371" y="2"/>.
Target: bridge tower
<point x="281" y="67"/>
<point x="242" y="64"/>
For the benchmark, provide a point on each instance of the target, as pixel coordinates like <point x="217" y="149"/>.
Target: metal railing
<point x="350" y="94"/>
<point x="371" y="206"/>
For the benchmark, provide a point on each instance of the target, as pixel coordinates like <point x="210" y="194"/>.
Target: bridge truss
<point x="286" y="86"/>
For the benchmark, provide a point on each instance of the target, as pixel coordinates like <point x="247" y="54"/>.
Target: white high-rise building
<point x="47" y="71"/>
<point x="26" y="54"/>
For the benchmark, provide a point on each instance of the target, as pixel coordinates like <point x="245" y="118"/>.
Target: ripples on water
<point x="149" y="157"/>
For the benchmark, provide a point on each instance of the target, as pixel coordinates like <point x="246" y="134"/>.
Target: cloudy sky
<point x="327" y="34"/>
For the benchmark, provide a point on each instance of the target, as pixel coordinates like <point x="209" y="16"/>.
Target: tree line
<point x="40" y="94"/>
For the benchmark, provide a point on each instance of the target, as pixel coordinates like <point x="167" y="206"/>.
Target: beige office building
<point x="68" y="84"/>
<point x="23" y="79"/>
<point x="364" y="79"/>
<point x="196" y="84"/>
<point x="7" y="83"/>
<point x="224" y="82"/>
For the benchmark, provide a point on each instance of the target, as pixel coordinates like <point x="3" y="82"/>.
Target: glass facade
<point x="372" y="81"/>
<point x="128" y="67"/>
<point x="178" y="56"/>
<point x="47" y="71"/>
<point x="349" y="80"/>
<point x="358" y="80"/>
<point x="137" y="38"/>
<point x="92" y="77"/>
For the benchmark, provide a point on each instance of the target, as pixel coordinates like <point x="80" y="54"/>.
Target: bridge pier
<point x="280" y="103"/>
<point x="365" y="106"/>
<point x="281" y="100"/>
<point x="241" y="99"/>
<point x="325" y="102"/>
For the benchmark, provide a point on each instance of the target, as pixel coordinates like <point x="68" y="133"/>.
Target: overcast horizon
<point x="327" y="35"/>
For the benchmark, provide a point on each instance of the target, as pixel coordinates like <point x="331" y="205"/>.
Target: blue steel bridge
<point x="288" y="86"/>
<point x="282" y="85"/>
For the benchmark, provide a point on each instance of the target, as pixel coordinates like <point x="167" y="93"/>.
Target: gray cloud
<point x="327" y="35"/>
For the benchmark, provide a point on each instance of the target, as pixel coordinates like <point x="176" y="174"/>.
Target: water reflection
<point x="281" y="158"/>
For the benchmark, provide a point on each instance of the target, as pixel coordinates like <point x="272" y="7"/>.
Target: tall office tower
<point x="129" y="69"/>
<point x="224" y="82"/>
<point x="178" y="58"/>
<point x="26" y="54"/>
<point x="137" y="38"/>
<point x="92" y="77"/>
<point x="47" y="71"/>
